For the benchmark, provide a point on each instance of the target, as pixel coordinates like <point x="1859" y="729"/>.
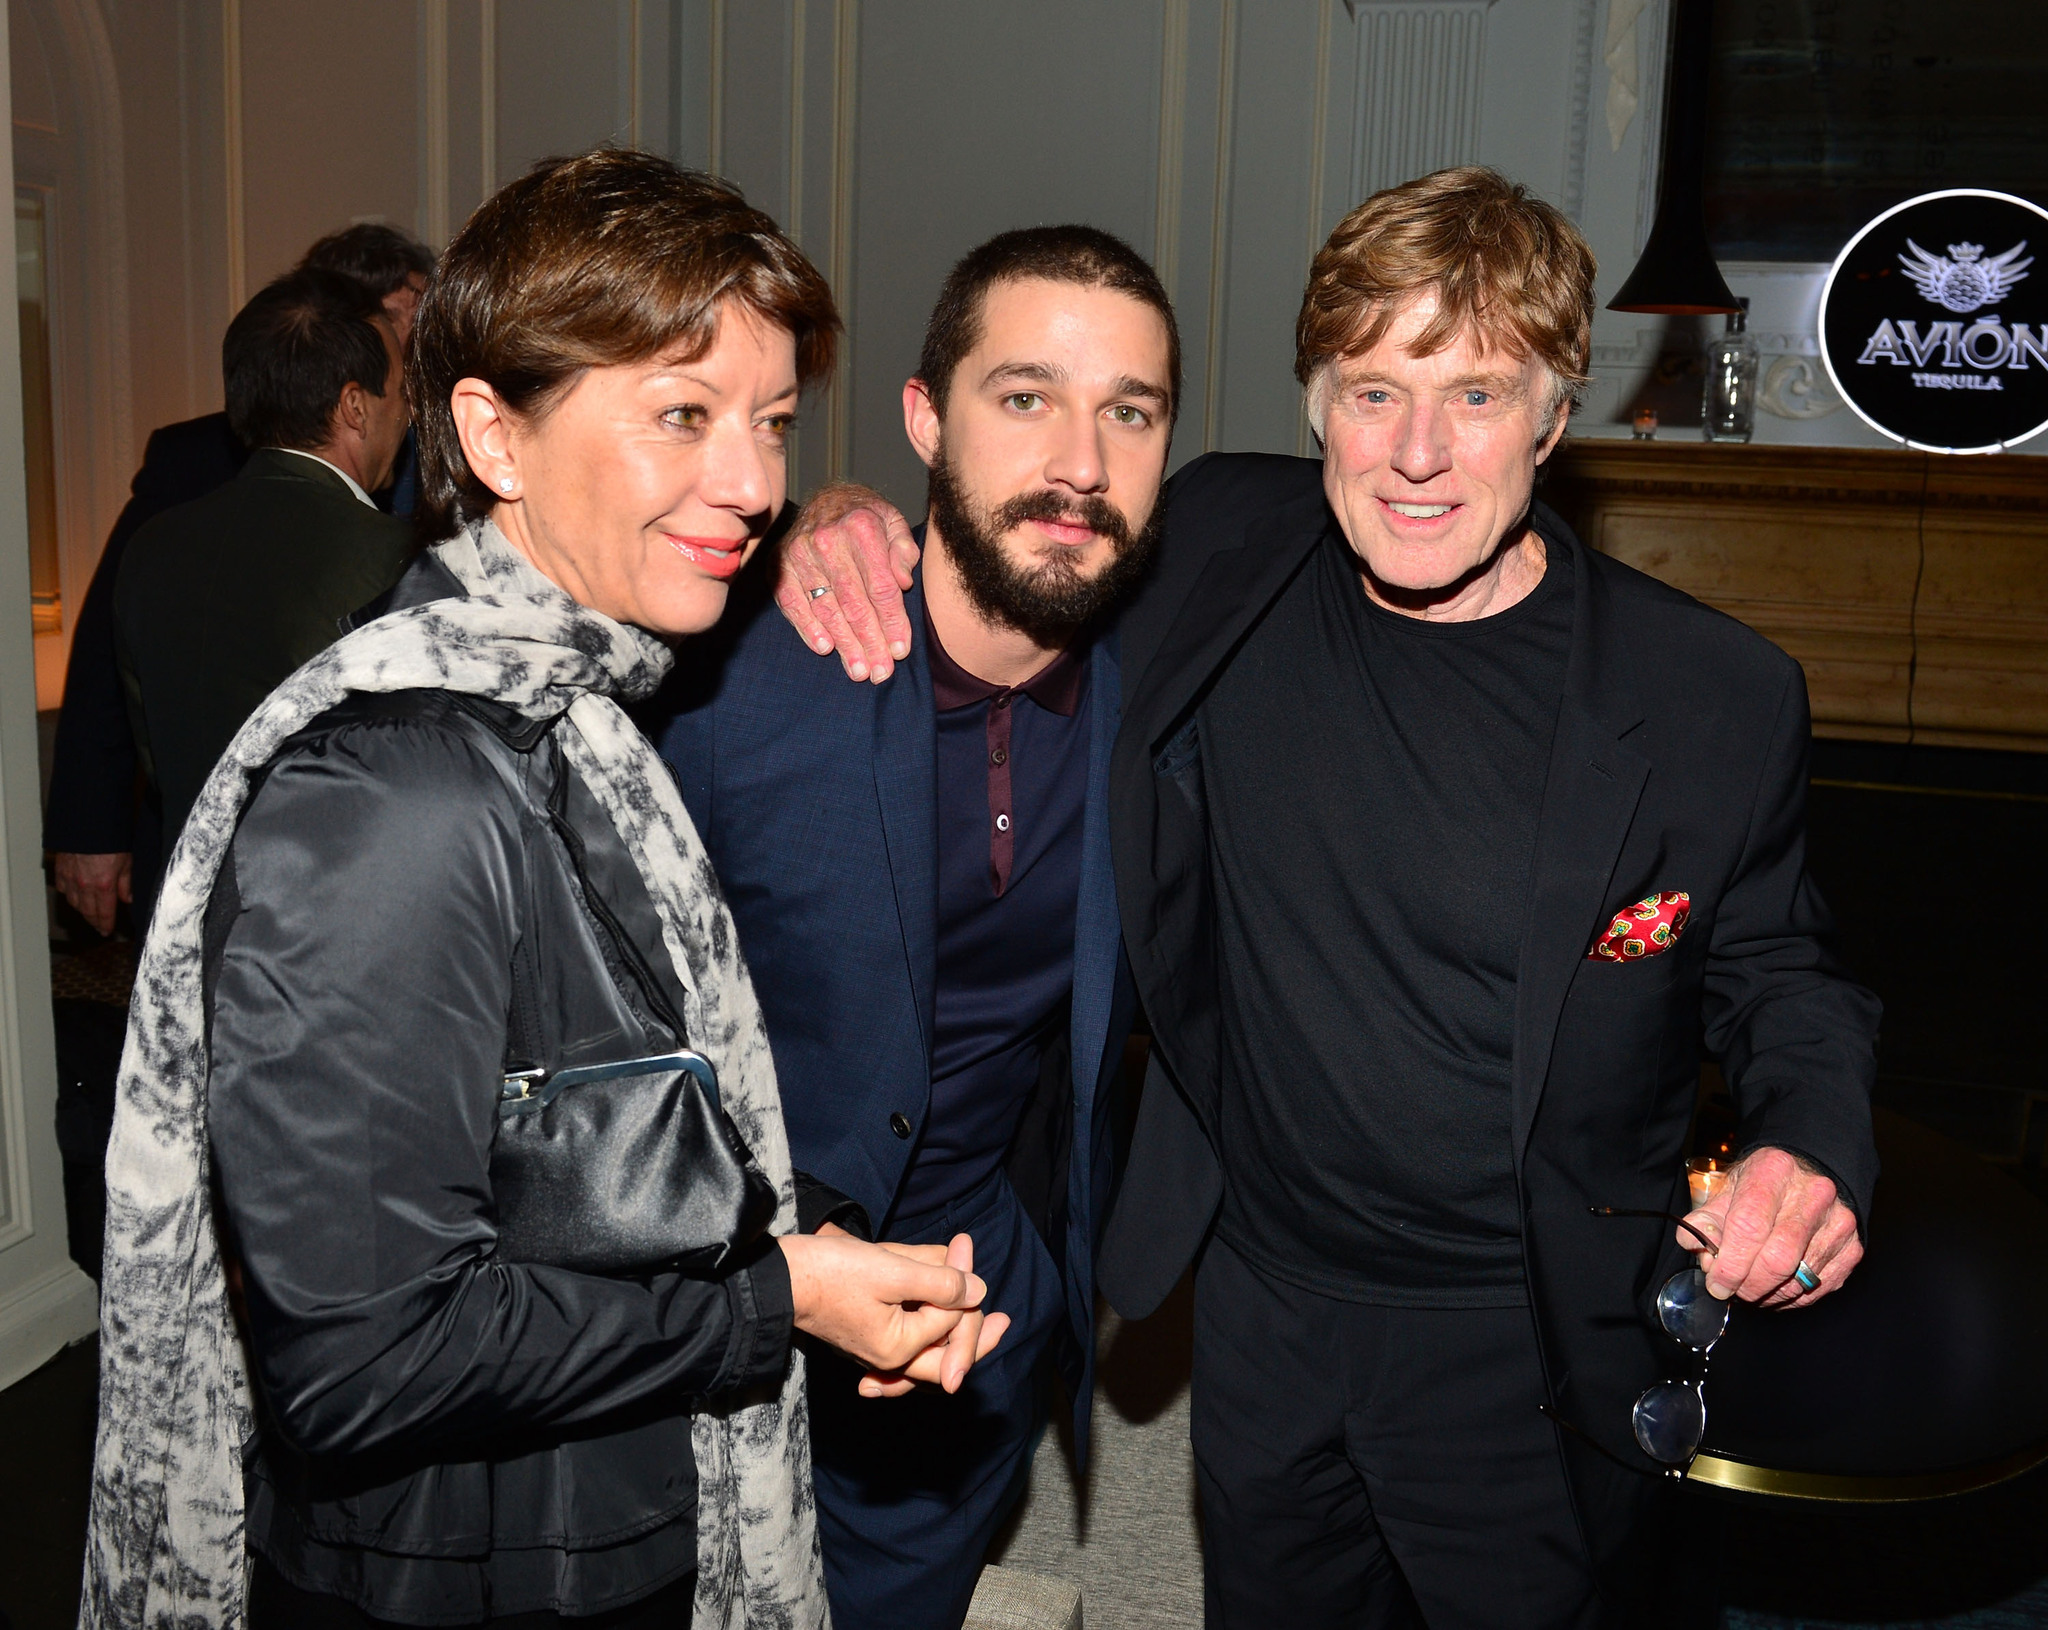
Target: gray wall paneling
<point x="1221" y="137"/>
<point x="1038" y="114"/>
<point x="1197" y="54"/>
<point x="1272" y="217"/>
<point x="350" y="73"/>
<point x="821" y="145"/>
<point x="564" y="78"/>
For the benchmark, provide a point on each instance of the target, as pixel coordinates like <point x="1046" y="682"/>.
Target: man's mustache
<point x="1098" y="514"/>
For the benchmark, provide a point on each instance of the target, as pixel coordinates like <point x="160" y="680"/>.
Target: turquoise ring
<point x="1808" y="1279"/>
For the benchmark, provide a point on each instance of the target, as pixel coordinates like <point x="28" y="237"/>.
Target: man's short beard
<point x="1051" y="602"/>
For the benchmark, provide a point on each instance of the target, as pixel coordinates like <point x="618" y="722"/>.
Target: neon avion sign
<point x="1943" y="348"/>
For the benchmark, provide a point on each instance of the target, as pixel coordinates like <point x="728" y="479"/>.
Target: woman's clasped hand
<point x="910" y="1313"/>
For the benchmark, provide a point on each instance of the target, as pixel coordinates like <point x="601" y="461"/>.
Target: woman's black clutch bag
<point x="630" y="1167"/>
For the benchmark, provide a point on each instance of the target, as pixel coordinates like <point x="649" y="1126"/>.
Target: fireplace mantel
<point x="1912" y="587"/>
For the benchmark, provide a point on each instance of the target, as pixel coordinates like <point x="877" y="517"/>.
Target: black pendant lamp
<point x="1677" y="274"/>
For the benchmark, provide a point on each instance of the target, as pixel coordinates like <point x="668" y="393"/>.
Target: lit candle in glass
<point x="1646" y="424"/>
<point x="1706" y="1176"/>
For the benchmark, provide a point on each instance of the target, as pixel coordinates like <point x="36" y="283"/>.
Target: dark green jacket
<point x="221" y="599"/>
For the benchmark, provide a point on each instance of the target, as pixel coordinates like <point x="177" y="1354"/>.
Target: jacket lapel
<point x="1594" y="784"/>
<point x="905" y="787"/>
<point x="1232" y="593"/>
<point x="1097" y="930"/>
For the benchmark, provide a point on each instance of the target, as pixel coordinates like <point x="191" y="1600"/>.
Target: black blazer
<point x="219" y="600"/>
<point x="1679" y="762"/>
<point x="91" y="804"/>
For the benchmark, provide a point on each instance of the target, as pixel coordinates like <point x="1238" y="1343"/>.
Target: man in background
<point x="220" y="599"/>
<point x="103" y="849"/>
<point x="394" y="268"/>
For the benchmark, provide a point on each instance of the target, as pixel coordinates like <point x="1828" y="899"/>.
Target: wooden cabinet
<point x="1912" y="587"/>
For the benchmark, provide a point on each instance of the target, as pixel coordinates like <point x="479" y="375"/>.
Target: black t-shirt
<point x="1373" y="786"/>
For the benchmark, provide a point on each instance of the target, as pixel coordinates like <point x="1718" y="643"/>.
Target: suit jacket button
<point x="899" y="1123"/>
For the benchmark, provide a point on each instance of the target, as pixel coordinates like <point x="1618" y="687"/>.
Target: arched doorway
<point x="71" y="255"/>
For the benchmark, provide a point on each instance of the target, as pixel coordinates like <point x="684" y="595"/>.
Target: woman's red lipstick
<point x="715" y="557"/>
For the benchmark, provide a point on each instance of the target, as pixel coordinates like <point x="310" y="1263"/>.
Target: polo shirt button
<point x="1002" y="823"/>
<point x="899" y="1123"/>
<point x="1000" y="756"/>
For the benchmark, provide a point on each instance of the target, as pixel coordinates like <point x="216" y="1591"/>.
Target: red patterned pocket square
<point x="1648" y="928"/>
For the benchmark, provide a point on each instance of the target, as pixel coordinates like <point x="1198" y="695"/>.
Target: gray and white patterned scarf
<point x="166" y="1544"/>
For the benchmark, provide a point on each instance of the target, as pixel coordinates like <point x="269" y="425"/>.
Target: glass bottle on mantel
<point x="1729" y="412"/>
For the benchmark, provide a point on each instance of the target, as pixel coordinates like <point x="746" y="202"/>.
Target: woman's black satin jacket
<point x="445" y="1435"/>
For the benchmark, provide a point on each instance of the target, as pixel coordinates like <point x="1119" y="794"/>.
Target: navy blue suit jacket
<point x="816" y="799"/>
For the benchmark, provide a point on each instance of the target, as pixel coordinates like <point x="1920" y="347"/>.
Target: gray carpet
<point x="1126" y="1533"/>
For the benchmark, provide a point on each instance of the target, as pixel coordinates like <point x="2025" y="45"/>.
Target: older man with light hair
<point x="1443" y="846"/>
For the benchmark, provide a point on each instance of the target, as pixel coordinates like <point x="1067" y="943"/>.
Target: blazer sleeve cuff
<point x="1857" y="1204"/>
<point x="819" y="1203"/>
<point x="764" y="1322"/>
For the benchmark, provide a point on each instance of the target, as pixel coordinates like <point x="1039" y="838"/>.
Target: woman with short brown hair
<point x="436" y="880"/>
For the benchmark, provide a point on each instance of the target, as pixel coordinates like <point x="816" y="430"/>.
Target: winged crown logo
<point x="1960" y="281"/>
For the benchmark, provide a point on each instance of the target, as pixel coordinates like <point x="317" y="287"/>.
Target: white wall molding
<point x="1173" y="136"/>
<point x="1652" y="37"/>
<point x="435" y="136"/>
<point x="1421" y="71"/>
<point x="1358" y="7"/>
<point x="1319" y="147"/>
<point x="803" y="471"/>
<point x="793" y="209"/>
<point x="1581" y="114"/>
<point x="715" y="73"/>
<point x="44" y="1316"/>
<point x="820" y="154"/>
<point x="1646" y="345"/>
<point x="636" y="135"/>
<point x="231" y="126"/>
<point x="24" y="961"/>
<point x="1319" y="123"/>
<point x="845" y="135"/>
<point x="1219" y="221"/>
<point x="487" y="120"/>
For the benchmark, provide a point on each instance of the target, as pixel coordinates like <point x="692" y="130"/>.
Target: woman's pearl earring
<point x="504" y="483"/>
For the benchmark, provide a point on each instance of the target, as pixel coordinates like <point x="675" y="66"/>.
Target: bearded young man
<point x="1441" y="842"/>
<point x="920" y="876"/>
